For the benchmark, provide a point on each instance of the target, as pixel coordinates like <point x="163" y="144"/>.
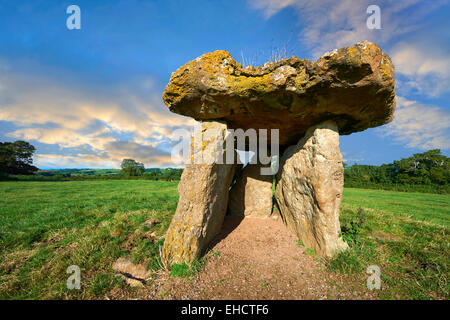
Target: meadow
<point x="47" y="226"/>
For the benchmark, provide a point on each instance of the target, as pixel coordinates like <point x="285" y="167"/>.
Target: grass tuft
<point x="183" y="270"/>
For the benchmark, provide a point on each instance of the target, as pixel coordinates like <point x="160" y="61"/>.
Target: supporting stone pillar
<point x="309" y="189"/>
<point x="251" y="195"/>
<point x="202" y="205"/>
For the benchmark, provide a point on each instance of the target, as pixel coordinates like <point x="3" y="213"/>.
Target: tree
<point x="131" y="168"/>
<point x="427" y="168"/>
<point x="17" y="158"/>
<point x="430" y="167"/>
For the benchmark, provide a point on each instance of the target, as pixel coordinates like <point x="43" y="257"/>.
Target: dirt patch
<point x="258" y="258"/>
<point x="384" y="237"/>
<point x="134" y="274"/>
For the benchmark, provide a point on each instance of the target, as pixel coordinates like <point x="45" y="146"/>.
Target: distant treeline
<point x="423" y="172"/>
<point x="168" y="174"/>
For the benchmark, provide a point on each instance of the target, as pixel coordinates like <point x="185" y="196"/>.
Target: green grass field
<point x="405" y="234"/>
<point x="47" y="226"/>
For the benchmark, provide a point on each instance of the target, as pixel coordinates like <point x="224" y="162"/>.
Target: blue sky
<point x="90" y="97"/>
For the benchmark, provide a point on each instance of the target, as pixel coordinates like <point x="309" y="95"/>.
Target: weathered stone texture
<point x="202" y="205"/>
<point x="251" y="195"/>
<point x="352" y="86"/>
<point x="309" y="189"/>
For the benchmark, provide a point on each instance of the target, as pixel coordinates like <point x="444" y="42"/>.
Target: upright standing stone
<point x="203" y="201"/>
<point x="309" y="189"/>
<point x="251" y="195"/>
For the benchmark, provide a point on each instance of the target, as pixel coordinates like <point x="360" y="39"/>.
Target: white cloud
<point x="32" y="100"/>
<point x="329" y="24"/>
<point x="65" y="138"/>
<point x="428" y="71"/>
<point x="419" y="126"/>
<point x="346" y="158"/>
<point x="114" y="152"/>
<point x="271" y="7"/>
<point x="72" y="161"/>
<point x="97" y="120"/>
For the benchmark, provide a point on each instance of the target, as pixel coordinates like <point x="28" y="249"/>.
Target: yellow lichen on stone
<point x="208" y="64"/>
<point x="353" y="55"/>
<point x="215" y="86"/>
<point x="242" y="85"/>
<point x="301" y="79"/>
<point x="387" y="68"/>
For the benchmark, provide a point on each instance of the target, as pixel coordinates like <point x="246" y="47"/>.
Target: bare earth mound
<point x="260" y="259"/>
